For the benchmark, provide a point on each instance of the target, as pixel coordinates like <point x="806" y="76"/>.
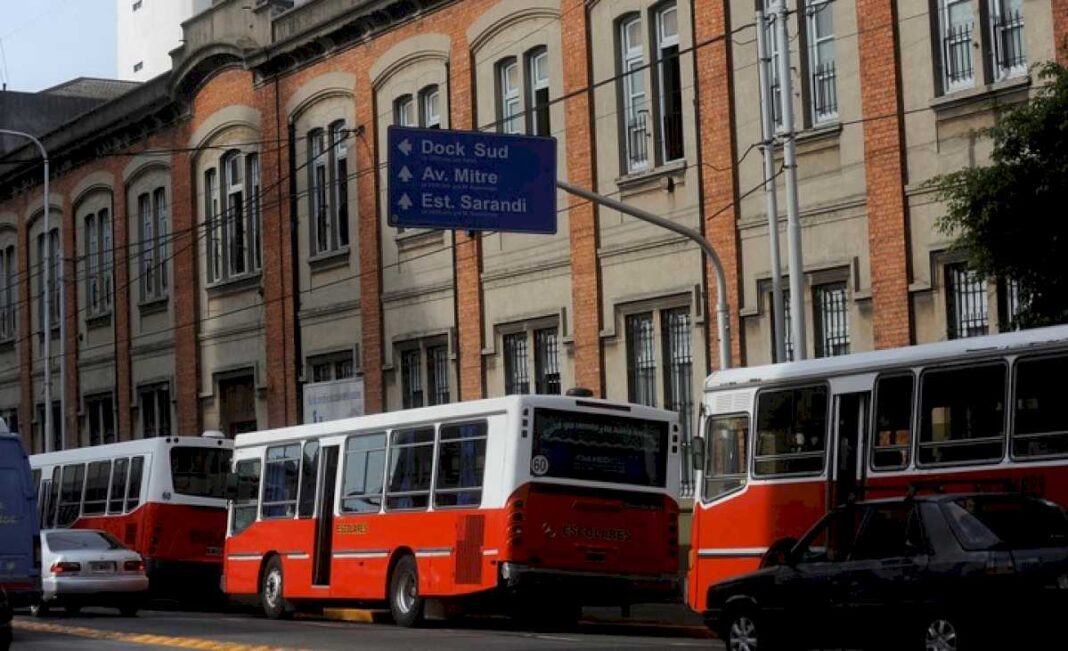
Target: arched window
<point x="508" y="102"/>
<point x="328" y="188"/>
<point x="98" y="262"/>
<point x="233" y="206"/>
<point x="430" y="107"/>
<point x="538" y="92"/>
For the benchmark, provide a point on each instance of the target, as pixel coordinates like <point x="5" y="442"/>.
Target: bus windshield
<point x="200" y="472"/>
<point x="599" y="447"/>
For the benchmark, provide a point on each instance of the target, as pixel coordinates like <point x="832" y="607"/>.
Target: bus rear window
<point x="598" y="447"/>
<point x="200" y="472"/>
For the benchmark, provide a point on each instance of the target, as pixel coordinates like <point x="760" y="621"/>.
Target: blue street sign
<point x="472" y="181"/>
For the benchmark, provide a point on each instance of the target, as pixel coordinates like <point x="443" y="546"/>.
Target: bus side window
<point x="461" y="465"/>
<point x="791" y="431"/>
<point x="96" y="488"/>
<point x="962" y="414"/>
<point x="1040" y="428"/>
<point x="893" y="422"/>
<point x="725" y="457"/>
<point x="118" y="486"/>
<point x="53" y="499"/>
<point x="411" y="462"/>
<point x="309" y="479"/>
<point x="280" y="477"/>
<point x="70" y="497"/>
<point x="365" y="461"/>
<point x="133" y="493"/>
<point x="248" y="494"/>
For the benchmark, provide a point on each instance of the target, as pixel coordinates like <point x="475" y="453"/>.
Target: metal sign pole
<point x="722" y="312"/>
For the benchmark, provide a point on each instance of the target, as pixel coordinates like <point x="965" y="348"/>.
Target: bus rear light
<point x="66" y="568"/>
<point x="134" y="566"/>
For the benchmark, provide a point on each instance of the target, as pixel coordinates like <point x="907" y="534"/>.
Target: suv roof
<point x="943" y="497"/>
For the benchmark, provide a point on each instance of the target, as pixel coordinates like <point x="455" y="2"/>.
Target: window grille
<point x="1007" y="25"/>
<point x="678" y="356"/>
<point x="956" y="21"/>
<point x="832" y="320"/>
<point x="635" y="114"/>
<point x="824" y="82"/>
<point x="641" y="359"/>
<point x="546" y="361"/>
<point x="437" y="359"/>
<point x="517" y="375"/>
<point x="411" y="379"/>
<point x="966" y="302"/>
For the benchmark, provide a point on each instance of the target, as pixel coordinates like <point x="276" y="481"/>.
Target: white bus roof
<point x="1012" y="342"/>
<point x="125" y="448"/>
<point x="452" y="411"/>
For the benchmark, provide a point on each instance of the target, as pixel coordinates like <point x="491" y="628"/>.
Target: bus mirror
<point x="698" y="448"/>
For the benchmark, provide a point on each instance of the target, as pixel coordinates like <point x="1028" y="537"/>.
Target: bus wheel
<point x="405" y="604"/>
<point x="271" y="594"/>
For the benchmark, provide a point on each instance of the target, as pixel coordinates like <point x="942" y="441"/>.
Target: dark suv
<point x="940" y="573"/>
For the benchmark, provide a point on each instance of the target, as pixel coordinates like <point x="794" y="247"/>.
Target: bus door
<point x="324" y="527"/>
<point x="850" y="435"/>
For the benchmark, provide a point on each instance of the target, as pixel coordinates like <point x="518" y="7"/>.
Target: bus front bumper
<point x="590" y="588"/>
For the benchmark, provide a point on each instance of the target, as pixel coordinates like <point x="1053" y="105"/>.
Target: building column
<point x="467" y="251"/>
<point x="885" y="173"/>
<point x="715" y="124"/>
<point x="69" y="362"/>
<point x="25" y="334"/>
<point x="185" y="292"/>
<point x="582" y="215"/>
<point x="121" y="309"/>
<point x="278" y="290"/>
<point x="368" y="232"/>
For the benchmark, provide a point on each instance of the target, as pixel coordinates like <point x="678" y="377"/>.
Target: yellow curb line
<point x="138" y="638"/>
<point x="350" y="615"/>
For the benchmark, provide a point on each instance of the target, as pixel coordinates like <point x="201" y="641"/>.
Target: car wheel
<point x="39" y="609"/>
<point x="72" y="609"/>
<point x="405" y="604"/>
<point x="942" y="634"/>
<point x="271" y="590"/>
<point x="744" y="633"/>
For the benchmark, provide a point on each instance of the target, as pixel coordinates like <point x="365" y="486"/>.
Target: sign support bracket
<point x="722" y="311"/>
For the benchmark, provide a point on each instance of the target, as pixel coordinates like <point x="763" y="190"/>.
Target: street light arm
<point x="722" y="311"/>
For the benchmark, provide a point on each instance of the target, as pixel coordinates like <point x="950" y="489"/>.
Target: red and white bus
<point x="163" y="497"/>
<point x="571" y="499"/>
<point x="781" y="444"/>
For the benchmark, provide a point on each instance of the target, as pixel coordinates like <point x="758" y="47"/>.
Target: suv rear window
<point x="1016" y="523"/>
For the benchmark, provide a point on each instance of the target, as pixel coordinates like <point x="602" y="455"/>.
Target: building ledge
<point x="234" y="285"/>
<point x="153" y="306"/>
<point x="412" y="240"/>
<point x="662" y="177"/>
<point x="98" y="321"/>
<point x="823" y="136"/>
<point x="952" y="103"/>
<point x="330" y="259"/>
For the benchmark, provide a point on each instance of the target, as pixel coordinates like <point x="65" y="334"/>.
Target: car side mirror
<point x="697" y="446"/>
<point x="780" y="553"/>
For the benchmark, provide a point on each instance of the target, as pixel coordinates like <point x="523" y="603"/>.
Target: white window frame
<point x="538" y="69"/>
<point x="510" y="100"/>
<point x="664" y="41"/>
<point x="774" y="90"/>
<point x="948" y="84"/>
<point x="213" y="223"/>
<point x="815" y="40"/>
<point x="431" y="107"/>
<point x="998" y="30"/>
<point x="98" y="262"/>
<point x="8" y="285"/>
<point x="405" y="114"/>
<point x="634" y="99"/>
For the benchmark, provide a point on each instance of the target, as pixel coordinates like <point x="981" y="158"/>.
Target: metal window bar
<point x="788" y="338"/>
<point x="832" y="320"/>
<point x="678" y="355"/>
<point x="1008" y="304"/>
<point x="966" y="301"/>
<point x="1008" y="26"/>
<point x="641" y="359"/>
<point x="638" y="140"/>
<point x="517" y="376"/>
<point x="411" y="379"/>
<point x="546" y="361"/>
<point x="437" y="372"/>
<point x="957" y="52"/>
<point x="825" y="91"/>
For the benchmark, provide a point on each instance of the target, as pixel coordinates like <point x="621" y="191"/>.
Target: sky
<point x="47" y="42"/>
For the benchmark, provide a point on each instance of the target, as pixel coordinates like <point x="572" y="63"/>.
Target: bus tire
<point x="405" y="603"/>
<point x="272" y="590"/>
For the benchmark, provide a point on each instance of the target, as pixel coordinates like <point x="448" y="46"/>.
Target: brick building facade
<point x="224" y="232"/>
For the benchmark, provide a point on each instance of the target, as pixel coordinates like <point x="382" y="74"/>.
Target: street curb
<point x="359" y="615"/>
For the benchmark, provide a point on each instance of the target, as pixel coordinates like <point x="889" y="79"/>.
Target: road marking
<point x="139" y="638"/>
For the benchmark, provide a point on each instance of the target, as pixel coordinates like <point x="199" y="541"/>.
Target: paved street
<point x="102" y="629"/>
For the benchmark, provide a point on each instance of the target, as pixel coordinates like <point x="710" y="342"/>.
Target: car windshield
<point x="988" y="522"/>
<point x="67" y="541"/>
<point x="200" y="472"/>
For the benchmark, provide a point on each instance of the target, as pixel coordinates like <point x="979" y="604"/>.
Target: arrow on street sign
<point x="405" y="203"/>
<point x="405" y="147"/>
<point x="404" y="174"/>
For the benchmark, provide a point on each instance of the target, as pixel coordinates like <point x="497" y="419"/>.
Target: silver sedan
<point x="86" y="567"/>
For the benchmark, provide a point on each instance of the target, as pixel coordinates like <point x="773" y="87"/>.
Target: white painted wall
<point x="148" y="34"/>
